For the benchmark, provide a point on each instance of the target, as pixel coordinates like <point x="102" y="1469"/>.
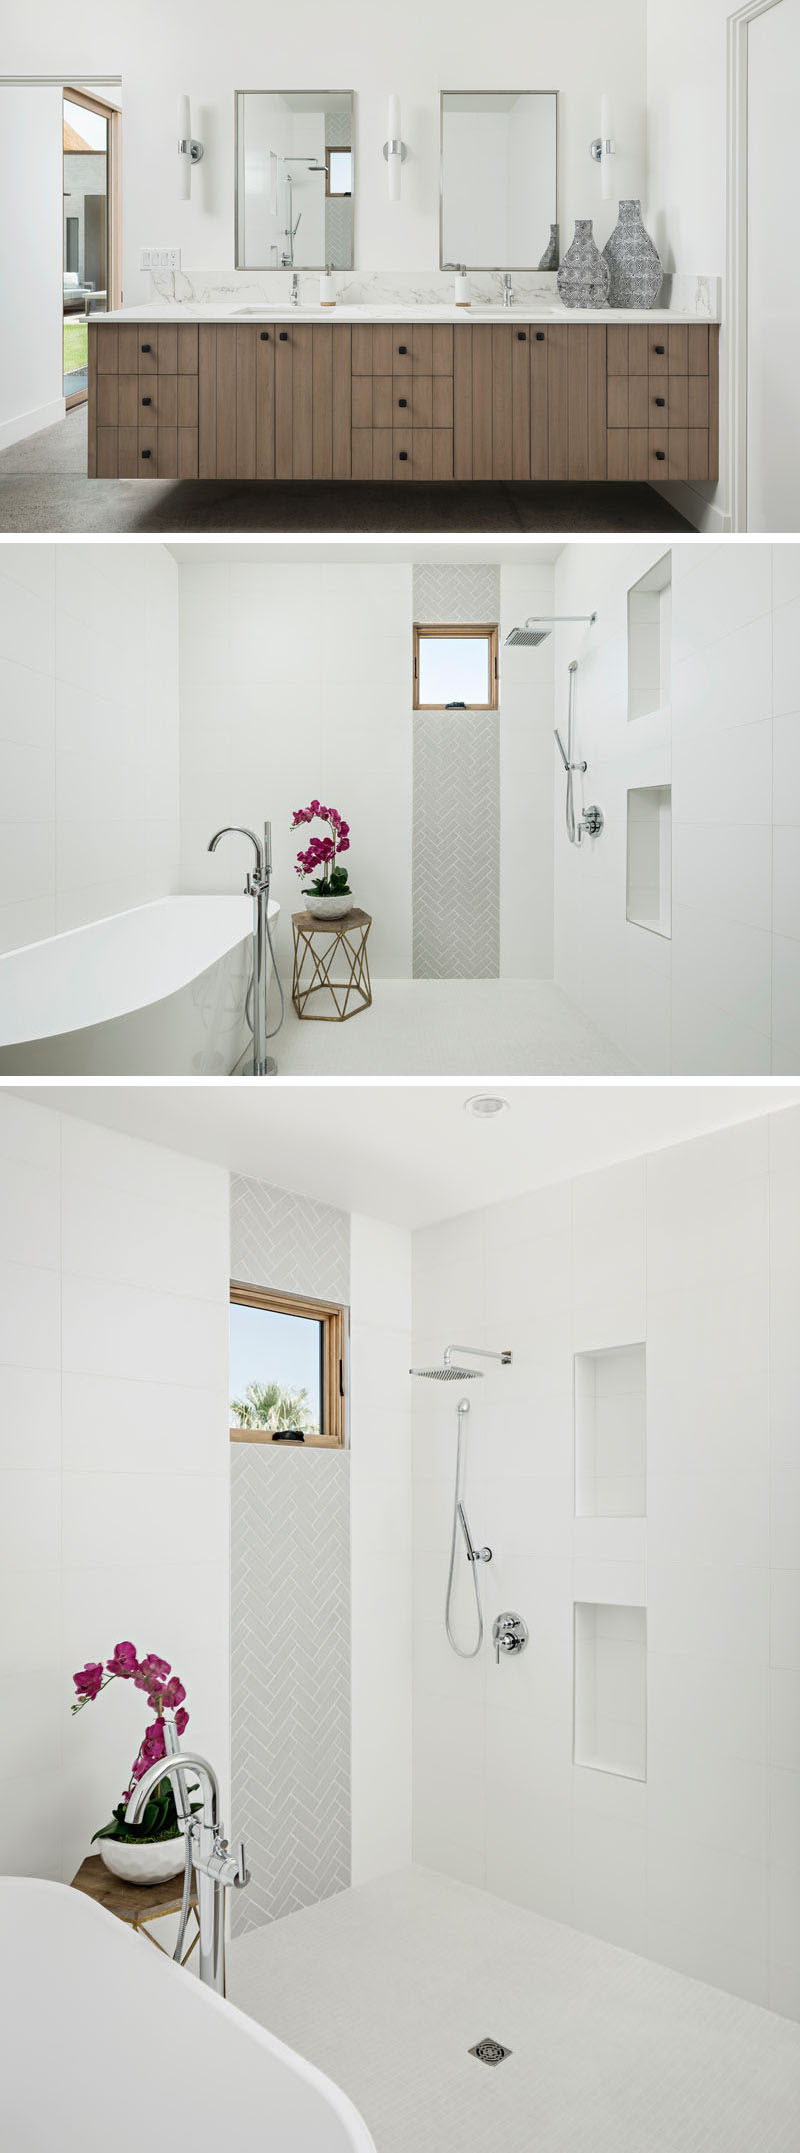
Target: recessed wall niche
<point x="610" y="1689"/>
<point x="649" y="640"/>
<point x="648" y="900"/>
<point x="610" y="1433"/>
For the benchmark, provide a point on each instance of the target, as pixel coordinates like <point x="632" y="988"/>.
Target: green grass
<point x="76" y="346"/>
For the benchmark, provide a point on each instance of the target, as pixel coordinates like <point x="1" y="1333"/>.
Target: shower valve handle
<point x="509" y="1635"/>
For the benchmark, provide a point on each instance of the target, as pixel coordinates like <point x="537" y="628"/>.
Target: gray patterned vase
<point x="635" y="269"/>
<point x="550" y="256"/>
<point x="583" y="276"/>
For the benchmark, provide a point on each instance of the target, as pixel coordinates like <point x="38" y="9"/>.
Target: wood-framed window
<point x="288" y="1367"/>
<point x="455" y="667"/>
<point x="338" y="169"/>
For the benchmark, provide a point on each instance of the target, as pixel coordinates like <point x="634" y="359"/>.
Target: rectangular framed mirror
<point x="295" y="182"/>
<point x="498" y="182"/>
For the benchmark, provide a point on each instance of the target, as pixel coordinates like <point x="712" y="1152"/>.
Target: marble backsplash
<point x="434" y="287"/>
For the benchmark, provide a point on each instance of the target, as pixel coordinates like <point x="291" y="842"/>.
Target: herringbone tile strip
<point x="289" y="1242"/>
<point x="290" y="1591"/>
<point x="445" y="592"/>
<point x="456" y="845"/>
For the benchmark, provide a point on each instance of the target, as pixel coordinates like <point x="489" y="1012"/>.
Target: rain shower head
<point x="539" y="626"/>
<point x="450" y="1371"/>
<point x="447" y="1374"/>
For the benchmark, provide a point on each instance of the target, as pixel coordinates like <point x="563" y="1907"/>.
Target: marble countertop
<point x="540" y="311"/>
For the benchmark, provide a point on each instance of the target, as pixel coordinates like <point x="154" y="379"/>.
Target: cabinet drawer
<point x="158" y="400"/>
<point x="372" y="452"/>
<point x="426" y="400"/>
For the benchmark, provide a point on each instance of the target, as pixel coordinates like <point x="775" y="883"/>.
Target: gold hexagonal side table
<point x="321" y="945"/>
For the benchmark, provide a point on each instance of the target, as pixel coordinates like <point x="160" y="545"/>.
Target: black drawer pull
<point x="147" y="347"/>
<point x="145" y="454"/>
<point x="660" y="400"/>
<point x="284" y="335"/>
<point x="403" y="403"/>
<point x="520" y="336"/>
<point x="147" y="399"/>
<point x="265" y="336"/>
<point x="540" y="336"/>
<point x="403" y="350"/>
<point x="660" y="349"/>
<point x="660" y="457"/>
<point x="404" y="455"/>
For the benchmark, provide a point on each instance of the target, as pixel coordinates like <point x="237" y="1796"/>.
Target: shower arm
<point x="478" y="1353"/>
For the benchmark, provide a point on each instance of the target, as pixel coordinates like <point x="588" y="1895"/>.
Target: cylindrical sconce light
<point x="603" y="147"/>
<point x="189" y="151"/>
<point x="394" y="150"/>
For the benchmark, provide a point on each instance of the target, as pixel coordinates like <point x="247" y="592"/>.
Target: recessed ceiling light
<point x="485" y="1105"/>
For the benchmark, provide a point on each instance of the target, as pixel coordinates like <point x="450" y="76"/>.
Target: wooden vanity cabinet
<point x="397" y="402"/>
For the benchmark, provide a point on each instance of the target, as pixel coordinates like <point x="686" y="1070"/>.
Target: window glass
<point x="275" y="1370"/>
<point x="340" y="171"/>
<point x="454" y="669"/>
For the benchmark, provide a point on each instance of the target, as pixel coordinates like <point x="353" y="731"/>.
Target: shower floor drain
<point x="488" y="2051"/>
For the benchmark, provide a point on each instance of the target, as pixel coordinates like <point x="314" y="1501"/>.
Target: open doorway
<point x="92" y="150"/>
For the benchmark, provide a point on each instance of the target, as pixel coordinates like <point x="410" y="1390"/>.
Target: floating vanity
<point x="289" y="394"/>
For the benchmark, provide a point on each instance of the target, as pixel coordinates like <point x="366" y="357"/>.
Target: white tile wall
<point x="113" y="1462"/>
<point x="722" y="997"/>
<point x="88" y="734"/>
<point x="695" y="1251"/>
<point x="380" y="1540"/>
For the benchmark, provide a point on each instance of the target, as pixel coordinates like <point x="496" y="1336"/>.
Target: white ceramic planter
<point x="329" y="908"/>
<point x="149" y="1862"/>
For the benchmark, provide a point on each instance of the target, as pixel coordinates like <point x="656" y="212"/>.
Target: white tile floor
<point x="451" y="1027"/>
<point x="388" y="1987"/>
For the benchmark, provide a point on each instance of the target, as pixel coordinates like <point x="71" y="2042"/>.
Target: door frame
<point x="113" y="115"/>
<point x="737" y="204"/>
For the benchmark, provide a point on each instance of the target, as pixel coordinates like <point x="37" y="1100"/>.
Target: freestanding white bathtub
<point x="109" y="2045"/>
<point x="157" y="991"/>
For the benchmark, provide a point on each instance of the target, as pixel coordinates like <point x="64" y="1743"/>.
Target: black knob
<point x="403" y="402"/>
<point x="660" y="400"/>
<point x="540" y="336"/>
<point x="146" y="347"/>
<point x="660" y="456"/>
<point x="660" y="348"/>
<point x="404" y="455"/>
<point x="402" y="348"/>
<point x="520" y="336"/>
<point x="265" y="336"/>
<point x="284" y="335"/>
<point x="147" y="399"/>
<point x="145" y="454"/>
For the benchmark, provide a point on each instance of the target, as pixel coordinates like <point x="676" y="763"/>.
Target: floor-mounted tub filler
<point x="160" y="990"/>
<point x="87" y="1997"/>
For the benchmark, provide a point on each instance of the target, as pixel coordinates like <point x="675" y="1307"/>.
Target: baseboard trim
<point x="705" y="515"/>
<point x="31" y="422"/>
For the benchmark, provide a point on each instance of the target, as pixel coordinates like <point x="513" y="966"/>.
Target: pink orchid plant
<point x="322" y="852"/>
<point x="164" y="1692"/>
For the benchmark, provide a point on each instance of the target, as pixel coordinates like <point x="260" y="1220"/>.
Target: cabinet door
<point x="576" y="401"/>
<point x="491" y="402"/>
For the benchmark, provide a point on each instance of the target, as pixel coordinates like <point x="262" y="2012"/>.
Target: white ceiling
<point x="374" y="551"/>
<point x="408" y="1153"/>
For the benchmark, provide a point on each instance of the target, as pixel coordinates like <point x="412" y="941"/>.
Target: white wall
<point x="296" y="685"/>
<point x="113" y="1463"/>
<point x="31" y="249"/>
<point x="695" y="1250"/>
<point x="574" y="49"/>
<point x="88" y="734"/>
<point x="380" y="1528"/>
<point x="722" y="995"/>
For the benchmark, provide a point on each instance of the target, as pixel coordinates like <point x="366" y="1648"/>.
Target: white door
<point x="773" y="276"/>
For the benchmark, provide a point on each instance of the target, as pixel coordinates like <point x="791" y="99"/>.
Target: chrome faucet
<point x="295" y="298"/>
<point x="257" y="886"/>
<point x="508" y="296"/>
<point x="215" y="1868"/>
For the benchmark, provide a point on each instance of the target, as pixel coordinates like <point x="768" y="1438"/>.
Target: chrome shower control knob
<point x="509" y="1634"/>
<point x="592" y="820"/>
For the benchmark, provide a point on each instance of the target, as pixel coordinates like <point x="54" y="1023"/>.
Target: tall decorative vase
<point x="583" y="276"/>
<point x="550" y="256"/>
<point x="635" y="269"/>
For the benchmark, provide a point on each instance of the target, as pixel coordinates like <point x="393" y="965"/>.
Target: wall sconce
<point x="394" y="150"/>
<point x="603" y="148"/>
<point x="189" y="151"/>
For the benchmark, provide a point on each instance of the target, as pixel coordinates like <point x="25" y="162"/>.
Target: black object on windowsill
<point x="288" y="1435"/>
<point x="455" y="706"/>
